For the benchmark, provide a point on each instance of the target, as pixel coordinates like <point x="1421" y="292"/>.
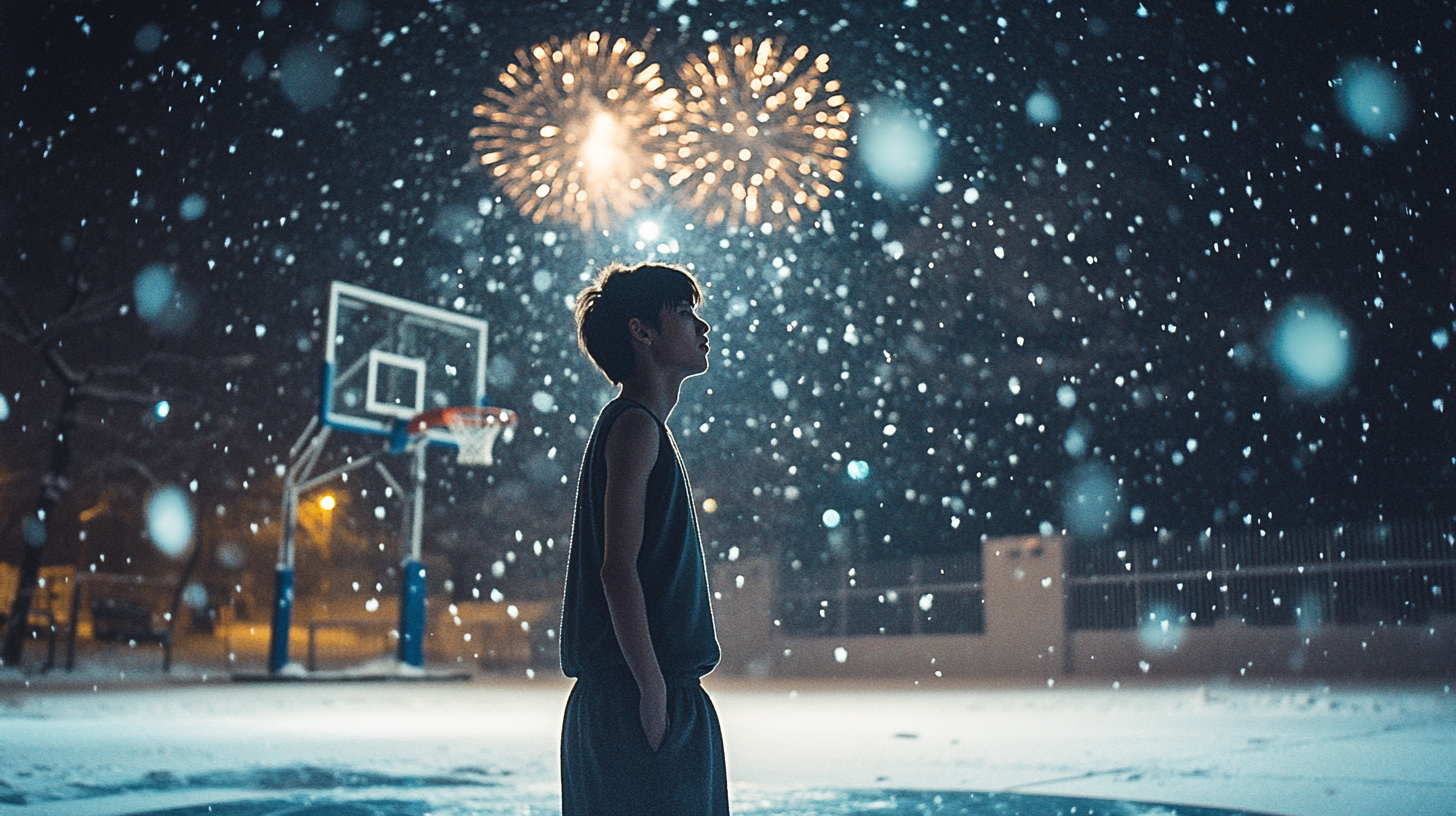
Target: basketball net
<point x="473" y="429"/>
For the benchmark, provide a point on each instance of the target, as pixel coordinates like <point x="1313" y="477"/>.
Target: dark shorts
<point x="607" y="767"/>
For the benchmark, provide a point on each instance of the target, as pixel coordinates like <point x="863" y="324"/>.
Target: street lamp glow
<point x="327" y="502"/>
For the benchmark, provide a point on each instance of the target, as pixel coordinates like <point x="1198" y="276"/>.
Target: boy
<point x="640" y="736"/>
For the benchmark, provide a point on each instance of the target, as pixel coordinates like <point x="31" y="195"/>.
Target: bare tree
<point x="89" y="373"/>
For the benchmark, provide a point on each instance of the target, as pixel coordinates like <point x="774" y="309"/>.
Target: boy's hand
<point x="652" y="708"/>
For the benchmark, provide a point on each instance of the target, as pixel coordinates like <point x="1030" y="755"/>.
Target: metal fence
<point x="921" y="595"/>
<point x="1385" y="573"/>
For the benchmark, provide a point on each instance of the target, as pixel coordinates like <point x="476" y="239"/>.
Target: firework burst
<point x="577" y="131"/>
<point x="761" y="135"/>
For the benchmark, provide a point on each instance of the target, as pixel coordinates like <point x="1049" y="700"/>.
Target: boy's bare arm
<point x="631" y="453"/>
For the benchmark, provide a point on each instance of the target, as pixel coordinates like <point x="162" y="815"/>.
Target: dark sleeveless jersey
<point x="670" y="566"/>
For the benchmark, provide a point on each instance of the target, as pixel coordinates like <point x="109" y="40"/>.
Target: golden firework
<point x="761" y="135"/>
<point x="577" y="131"/>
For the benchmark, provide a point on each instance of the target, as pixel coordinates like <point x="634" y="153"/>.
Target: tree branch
<point x="103" y="392"/>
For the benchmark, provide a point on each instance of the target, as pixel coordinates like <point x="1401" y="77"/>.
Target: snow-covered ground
<point x="489" y="746"/>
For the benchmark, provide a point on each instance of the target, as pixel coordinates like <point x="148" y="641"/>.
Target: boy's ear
<point x="639" y="330"/>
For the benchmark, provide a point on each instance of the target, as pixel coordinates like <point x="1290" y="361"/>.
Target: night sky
<point x="1073" y="303"/>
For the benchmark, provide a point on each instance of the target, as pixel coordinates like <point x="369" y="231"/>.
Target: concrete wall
<point x="1230" y="649"/>
<point x="1024" y="632"/>
<point x="1025" y="636"/>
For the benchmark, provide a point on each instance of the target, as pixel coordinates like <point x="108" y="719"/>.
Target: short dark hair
<point x="619" y="294"/>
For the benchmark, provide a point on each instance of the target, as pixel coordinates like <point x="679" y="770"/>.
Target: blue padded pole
<point x="412" y="582"/>
<point x="282" y="618"/>
<point x="412" y="614"/>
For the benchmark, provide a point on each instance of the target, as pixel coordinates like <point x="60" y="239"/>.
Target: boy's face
<point x="682" y="344"/>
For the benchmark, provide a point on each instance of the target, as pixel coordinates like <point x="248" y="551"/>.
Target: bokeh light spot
<point x="1311" y="347"/>
<point x="193" y="207"/>
<point x="1091" y="502"/>
<point x="1043" y="109"/>
<point x="169" y="520"/>
<point x="148" y="38"/>
<point x="1373" y="99"/>
<point x="1161" y="629"/>
<point x="897" y="147"/>
<point x="152" y="291"/>
<point x="309" y="76"/>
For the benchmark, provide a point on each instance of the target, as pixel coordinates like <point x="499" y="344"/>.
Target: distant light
<point x="4" y="408"/>
<point x="859" y="469"/>
<point x="1373" y="99"/>
<point x="1066" y="396"/>
<point x="309" y="75"/>
<point x="162" y="409"/>
<point x="1161" y="629"/>
<point x="841" y="654"/>
<point x="898" y="147"/>
<point x="148" y="38"/>
<point x="193" y="206"/>
<point x="543" y="402"/>
<point x="648" y="230"/>
<point x="1042" y="108"/>
<point x="779" y="388"/>
<point x="1090" y="504"/>
<point x="152" y="291"/>
<point x="831" y="518"/>
<point x="195" y="596"/>
<point x="1439" y="339"/>
<point x="1311" y="345"/>
<point x="1075" y="442"/>
<point x="169" y="520"/>
<point x="710" y="505"/>
<point x="326" y="502"/>
<point x="1137" y="514"/>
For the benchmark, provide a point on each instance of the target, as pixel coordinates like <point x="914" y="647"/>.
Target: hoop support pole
<point x="412" y="614"/>
<point x="282" y="619"/>
<point x="412" y="577"/>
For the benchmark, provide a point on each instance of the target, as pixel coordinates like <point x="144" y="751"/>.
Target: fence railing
<point x="1390" y="573"/>
<point x="920" y="595"/>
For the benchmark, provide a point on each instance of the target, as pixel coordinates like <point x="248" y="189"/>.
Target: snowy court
<point x="488" y="746"/>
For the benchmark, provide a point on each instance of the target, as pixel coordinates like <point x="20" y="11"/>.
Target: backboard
<point x="388" y="359"/>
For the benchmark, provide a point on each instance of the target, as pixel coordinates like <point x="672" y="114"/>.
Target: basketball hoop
<point x="473" y="429"/>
